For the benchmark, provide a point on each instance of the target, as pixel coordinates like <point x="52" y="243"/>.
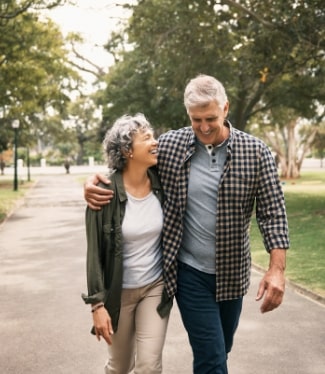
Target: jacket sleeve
<point x="270" y="206"/>
<point x="95" y="259"/>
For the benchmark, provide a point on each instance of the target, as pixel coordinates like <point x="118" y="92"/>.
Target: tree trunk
<point x="284" y="142"/>
<point x="306" y="146"/>
<point x="292" y="167"/>
<point x="283" y="165"/>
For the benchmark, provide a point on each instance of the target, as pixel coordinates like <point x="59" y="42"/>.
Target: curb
<point x="19" y="203"/>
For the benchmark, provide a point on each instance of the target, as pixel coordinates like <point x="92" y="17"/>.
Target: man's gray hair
<point x="202" y="90"/>
<point x="119" y="139"/>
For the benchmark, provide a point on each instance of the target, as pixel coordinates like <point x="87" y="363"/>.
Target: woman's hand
<point x="103" y="324"/>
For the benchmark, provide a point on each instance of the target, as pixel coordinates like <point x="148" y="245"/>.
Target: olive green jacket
<point x="104" y="249"/>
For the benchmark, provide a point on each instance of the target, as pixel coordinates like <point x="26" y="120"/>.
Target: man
<point x="212" y="174"/>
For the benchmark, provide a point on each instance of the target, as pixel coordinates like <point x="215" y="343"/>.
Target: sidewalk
<point x="44" y="325"/>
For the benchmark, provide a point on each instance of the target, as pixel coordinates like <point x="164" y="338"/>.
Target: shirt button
<point x="214" y="160"/>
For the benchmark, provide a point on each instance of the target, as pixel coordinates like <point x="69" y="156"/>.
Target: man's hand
<point x="96" y="196"/>
<point x="272" y="285"/>
<point x="103" y="325"/>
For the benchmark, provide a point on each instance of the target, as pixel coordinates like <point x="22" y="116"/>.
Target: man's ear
<point x="226" y="109"/>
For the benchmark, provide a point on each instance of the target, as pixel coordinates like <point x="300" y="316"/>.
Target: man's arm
<point x="272" y="285"/>
<point x="96" y="196"/>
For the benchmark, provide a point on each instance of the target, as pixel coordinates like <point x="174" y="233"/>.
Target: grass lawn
<point x="305" y="201"/>
<point x="9" y="197"/>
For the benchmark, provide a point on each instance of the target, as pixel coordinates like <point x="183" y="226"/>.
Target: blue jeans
<point x="210" y="325"/>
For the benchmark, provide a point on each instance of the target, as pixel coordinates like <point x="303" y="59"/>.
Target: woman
<point x="124" y="258"/>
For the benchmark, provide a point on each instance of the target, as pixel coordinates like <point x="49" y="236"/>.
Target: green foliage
<point x="34" y="73"/>
<point x="305" y="202"/>
<point x="82" y="113"/>
<point x="12" y="8"/>
<point x="265" y="53"/>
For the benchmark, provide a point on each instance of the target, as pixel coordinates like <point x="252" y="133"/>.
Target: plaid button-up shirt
<point x="249" y="177"/>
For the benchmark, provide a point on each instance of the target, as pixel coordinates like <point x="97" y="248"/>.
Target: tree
<point x="318" y="145"/>
<point x="83" y="123"/>
<point x="289" y="138"/>
<point x="12" y="8"/>
<point x="81" y="62"/>
<point x="261" y="51"/>
<point x="35" y="77"/>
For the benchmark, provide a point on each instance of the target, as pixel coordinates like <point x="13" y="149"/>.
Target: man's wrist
<point x="278" y="259"/>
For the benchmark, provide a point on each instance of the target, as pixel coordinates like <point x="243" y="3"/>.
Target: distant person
<point x="212" y="175"/>
<point x="67" y="166"/>
<point x="124" y="256"/>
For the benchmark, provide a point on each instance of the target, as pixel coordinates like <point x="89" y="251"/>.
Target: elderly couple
<point x="173" y="220"/>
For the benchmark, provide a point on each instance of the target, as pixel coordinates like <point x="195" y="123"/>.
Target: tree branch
<point x="16" y="12"/>
<point x="98" y="71"/>
<point x="245" y="10"/>
<point x="86" y="70"/>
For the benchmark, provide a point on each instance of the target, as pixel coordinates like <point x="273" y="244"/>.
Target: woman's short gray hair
<point x="119" y="138"/>
<point x="202" y="90"/>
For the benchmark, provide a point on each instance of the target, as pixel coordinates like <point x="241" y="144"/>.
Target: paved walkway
<point x="44" y="325"/>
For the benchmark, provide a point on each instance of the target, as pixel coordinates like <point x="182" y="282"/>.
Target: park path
<point x="44" y="325"/>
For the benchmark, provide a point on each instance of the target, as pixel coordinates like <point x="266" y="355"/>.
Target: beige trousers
<point x="138" y="343"/>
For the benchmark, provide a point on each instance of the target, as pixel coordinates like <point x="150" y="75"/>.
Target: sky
<point x="94" y="20"/>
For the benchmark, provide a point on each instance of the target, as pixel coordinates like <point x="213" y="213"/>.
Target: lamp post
<point x="28" y="164"/>
<point x="15" y="126"/>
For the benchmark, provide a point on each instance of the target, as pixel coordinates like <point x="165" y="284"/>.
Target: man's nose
<point x="204" y="126"/>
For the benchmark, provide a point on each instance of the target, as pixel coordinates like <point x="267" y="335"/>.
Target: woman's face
<point x="144" y="148"/>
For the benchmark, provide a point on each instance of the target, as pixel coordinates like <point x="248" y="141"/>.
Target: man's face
<point x="208" y="122"/>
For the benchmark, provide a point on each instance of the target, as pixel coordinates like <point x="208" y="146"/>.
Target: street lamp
<point x="15" y="126"/>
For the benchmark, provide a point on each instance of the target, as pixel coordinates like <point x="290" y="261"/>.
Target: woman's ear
<point x="127" y="154"/>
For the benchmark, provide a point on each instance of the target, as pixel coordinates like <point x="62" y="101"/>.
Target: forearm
<point x="97" y="196"/>
<point x="278" y="259"/>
